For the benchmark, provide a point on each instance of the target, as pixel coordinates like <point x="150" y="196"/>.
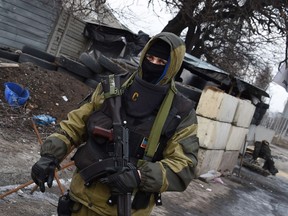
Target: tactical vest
<point x="94" y="156"/>
<point x="98" y="148"/>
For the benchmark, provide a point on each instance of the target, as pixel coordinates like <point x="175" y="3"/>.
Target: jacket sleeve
<point x="177" y="168"/>
<point x="72" y="131"/>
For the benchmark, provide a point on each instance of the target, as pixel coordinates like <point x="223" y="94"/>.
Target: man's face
<point x="155" y="60"/>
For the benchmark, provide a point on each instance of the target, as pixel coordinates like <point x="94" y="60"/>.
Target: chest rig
<point x="141" y="103"/>
<point x="150" y="113"/>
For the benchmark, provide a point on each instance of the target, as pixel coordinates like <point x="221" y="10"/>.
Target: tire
<point x="74" y="67"/>
<point x="110" y="66"/>
<point x="190" y="92"/>
<point x="78" y="77"/>
<point x="91" y="63"/>
<point x="9" y="55"/>
<point x="92" y="83"/>
<point x="38" y="53"/>
<point x="40" y="62"/>
<point x="99" y="77"/>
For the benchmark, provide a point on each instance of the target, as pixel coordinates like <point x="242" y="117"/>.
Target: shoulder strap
<point x="110" y="89"/>
<point x="157" y="127"/>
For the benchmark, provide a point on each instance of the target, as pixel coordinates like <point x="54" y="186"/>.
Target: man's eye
<point x="163" y="62"/>
<point x="149" y="57"/>
<point x="156" y="60"/>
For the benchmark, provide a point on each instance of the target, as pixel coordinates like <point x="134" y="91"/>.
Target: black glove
<point x="43" y="171"/>
<point x="123" y="181"/>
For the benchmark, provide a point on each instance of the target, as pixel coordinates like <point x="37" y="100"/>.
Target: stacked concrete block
<point x="223" y="125"/>
<point x="236" y="138"/>
<point x="259" y="133"/>
<point x="239" y="131"/>
<point x="215" y="113"/>
<point x="217" y="105"/>
<point x="208" y="160"/>
<point x="228" y="161"/>
<point x="244" y="113"/>
<point x="212" y="134"/>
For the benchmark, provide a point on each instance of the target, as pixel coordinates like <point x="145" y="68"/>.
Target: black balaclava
<point x="152" y="72"/>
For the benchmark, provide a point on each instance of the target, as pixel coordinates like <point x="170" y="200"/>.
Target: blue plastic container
<point x="15" y="95"/>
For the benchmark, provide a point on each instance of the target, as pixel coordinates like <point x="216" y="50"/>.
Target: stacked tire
<point x="11" y="56"/>
<point x="90" y="68"/>
<point x="38" y="57"/>
<point x="83" y="70"/>
<point x="190" y="92"/>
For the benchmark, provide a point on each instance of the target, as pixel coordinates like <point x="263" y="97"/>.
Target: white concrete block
<point x="236" y="138"/>
<point x="259" y="133"/>
<point x="244" y="113"/>
<point x="208" y="160"/>
<point x="216" y="104"/>
<point x="212" y="134"/>
<point x="229" y="161"/>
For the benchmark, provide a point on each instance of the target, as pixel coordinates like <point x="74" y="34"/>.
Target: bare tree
<point x="93" y="10"/>
<point x="82" y="8"/>
<point x="263" y="77"/>
<point x="226" y="33"/>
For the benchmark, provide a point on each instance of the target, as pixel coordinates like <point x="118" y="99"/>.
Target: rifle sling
<point x="161" y="117"/>
<point x="158" y="124"/>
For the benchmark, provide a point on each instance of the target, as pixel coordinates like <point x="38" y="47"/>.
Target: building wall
<point x="28" y="22"/>
<point x="42" y="24"/>
<point x="68" y="37"/>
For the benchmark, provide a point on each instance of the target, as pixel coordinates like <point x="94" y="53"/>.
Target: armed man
<point x="144" y="120"/>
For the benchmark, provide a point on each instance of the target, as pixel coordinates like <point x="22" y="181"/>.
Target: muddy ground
<point x="247" y="194"/>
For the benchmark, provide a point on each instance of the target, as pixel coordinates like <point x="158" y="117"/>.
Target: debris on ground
<point x="210" y="175"/>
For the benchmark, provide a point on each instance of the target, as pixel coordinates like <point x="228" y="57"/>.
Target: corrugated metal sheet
<point x="28" y="22"/>
<point x="59" y="32"/>
<point x="67" y="38"/>
<point x="44" y="25"/>
<point x="74" y="42"/>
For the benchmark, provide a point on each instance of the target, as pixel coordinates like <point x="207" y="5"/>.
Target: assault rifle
<point x="118" y="134"/>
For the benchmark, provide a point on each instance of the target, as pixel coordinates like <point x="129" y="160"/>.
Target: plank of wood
<point x="6" y="65"/>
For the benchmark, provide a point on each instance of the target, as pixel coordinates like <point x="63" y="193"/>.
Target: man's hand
<point x="43" y="171"/>
<point x="123" y="181"/>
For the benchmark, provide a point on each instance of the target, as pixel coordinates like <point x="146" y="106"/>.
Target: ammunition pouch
<point x="92" y="161"/>
<point x="97" y="170"/>
<point x="142" y="199"/>
<point x="94" y="157"/>
<point x="88" y="154"/>
<point x="65" y="205"/>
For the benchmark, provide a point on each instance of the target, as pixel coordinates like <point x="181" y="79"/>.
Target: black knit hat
<point x="160" y="49"/>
